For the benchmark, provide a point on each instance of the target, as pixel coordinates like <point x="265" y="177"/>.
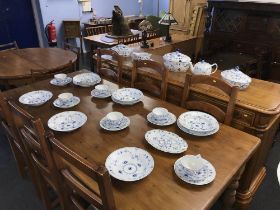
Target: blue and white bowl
<point x="127" y="96"/>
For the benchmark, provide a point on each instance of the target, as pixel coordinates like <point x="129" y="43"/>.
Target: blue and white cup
<point x="114" y="117"/>
<point x="160" y="113"/>
<point x="60" y="77"/>
<point x="65" y="97"/>
<point x="193" y="166"/>
<point x="102" y="89"/>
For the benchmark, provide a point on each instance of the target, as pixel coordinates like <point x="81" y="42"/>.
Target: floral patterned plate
<point x="86" y="79"/>
<point x="67" y="121"/>
<point x="166" y="141"/>
<point x="35" y="98"/>
<point x="129" y="164"/>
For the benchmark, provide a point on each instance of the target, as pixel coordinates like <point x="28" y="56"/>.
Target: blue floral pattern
<point x="127" y="96"/>
<point x="121" y="124"/>
<point x="166" y="141"/>
<point x="63" y="82"/>
<point x="129" y="164"/>
<point x="169" y="120"/>
<point x="177" y="62"/>
<point x="68" y="104"/>
<point x="235" y="77"/>
<point x="86" y="79"/>
<point x="35" y="98"/>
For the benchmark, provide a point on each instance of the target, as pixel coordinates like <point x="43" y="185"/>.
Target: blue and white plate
<point x="97" y="94"/>
<point x="35" y="98"/>
<point x="166" y="141"/>
<point x="198" y="123"/>
<point x="206" y="175"/>
<point x="67" y="121"/>
<point x="86" y="79"/>
<point x="169" y="120"/>
<point x="129" y="164"/>
<point x="127" y="96"/>
<point x="64" y="82"/>
<point x="65" y="105"/>
<point x="108" y="125"/>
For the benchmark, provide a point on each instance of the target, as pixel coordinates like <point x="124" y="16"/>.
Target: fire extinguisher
<point x="50" y="32"/>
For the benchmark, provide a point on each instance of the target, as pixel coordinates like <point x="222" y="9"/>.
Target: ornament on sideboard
<point x="119" y="24"/>
<point x="145" y="26"/>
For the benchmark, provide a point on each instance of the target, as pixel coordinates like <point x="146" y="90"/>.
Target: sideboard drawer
<point x="244" y="117"/>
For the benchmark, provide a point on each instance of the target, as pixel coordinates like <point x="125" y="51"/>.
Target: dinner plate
<point x="206" y="176"/>
<point x="86" y="79"/>
<point x="64" y="105"/>
<point x="67" y="121"/>
<point x="64" y="82"/>
<point x="166" y="141"/>
<point x="107" y="124"/>
<point x="129" y="164"/>
<point x="35" y="98"/>
<point x="171" y="118"/>
<point x="198" y="123"/>
<point x="127" y="96"/>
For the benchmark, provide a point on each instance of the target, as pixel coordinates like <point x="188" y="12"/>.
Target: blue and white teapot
<point x="204" y="68"/>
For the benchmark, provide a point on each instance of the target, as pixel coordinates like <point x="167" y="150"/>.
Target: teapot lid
<point x="177" y="57"/>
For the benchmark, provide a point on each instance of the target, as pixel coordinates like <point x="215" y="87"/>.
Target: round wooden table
<point x="16" y="65"/>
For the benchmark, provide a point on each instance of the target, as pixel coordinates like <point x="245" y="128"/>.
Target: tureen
<point x="177" y="62"/>
<point x="204" y="68"/>
<point x="236" y="77"/>
<point x="122" y="50"/>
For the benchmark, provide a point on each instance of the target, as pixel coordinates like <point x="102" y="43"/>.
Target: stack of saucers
<point x="194" y="170"/>
<point x="66" y="100"/>
<point x="102" y="91"/>
<point x="61" y="80"/>
<point x="160" y="116"/>
<point x="114" y="121"/>
<point x="127" y="96"/>
<point x="198" y="123"/>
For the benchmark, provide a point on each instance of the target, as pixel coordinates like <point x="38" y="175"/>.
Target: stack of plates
<point x="86" y="79"/>
<point x="127" y="96"/>
<point x="198" y="123"/>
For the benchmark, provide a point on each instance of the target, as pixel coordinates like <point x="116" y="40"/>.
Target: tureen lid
<point x="177" y="57"/>
<point x="236" y="75"/>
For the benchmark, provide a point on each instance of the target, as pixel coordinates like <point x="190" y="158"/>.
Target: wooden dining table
<point x="16" y="65"/>
<point x="228" y="150"/>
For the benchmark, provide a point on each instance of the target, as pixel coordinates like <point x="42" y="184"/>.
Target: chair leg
<point x="19" y="159"/>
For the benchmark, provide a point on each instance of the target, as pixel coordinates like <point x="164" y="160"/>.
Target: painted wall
<point x="163" y="6"/>
<point x="59" y="10"/>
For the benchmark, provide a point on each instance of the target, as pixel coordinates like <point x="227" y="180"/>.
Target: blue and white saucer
<point x="64" y="82"/>
<point x="206" y="175"/>
<point x="65" y="105"/>
<point x="169" y="120"/>
<point x="129" y="164"/>
<point x="108" y="125"/>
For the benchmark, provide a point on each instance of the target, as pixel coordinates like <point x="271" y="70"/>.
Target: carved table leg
<point x="230" y="193"/>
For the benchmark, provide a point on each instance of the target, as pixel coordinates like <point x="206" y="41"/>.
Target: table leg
<point x="229" y="195"/>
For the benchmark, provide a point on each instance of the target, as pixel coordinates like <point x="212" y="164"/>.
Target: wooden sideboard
<point x="257" y="112"/>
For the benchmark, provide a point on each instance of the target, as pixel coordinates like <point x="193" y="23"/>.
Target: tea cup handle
<point x="215" y="68"/>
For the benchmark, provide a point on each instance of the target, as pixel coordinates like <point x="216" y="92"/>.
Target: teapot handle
<point x="215" y="68"/>
<point x="191" y="67"/>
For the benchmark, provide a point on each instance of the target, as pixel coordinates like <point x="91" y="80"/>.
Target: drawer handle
<point x="245" y="115"/>
<point x="214" y="81"/>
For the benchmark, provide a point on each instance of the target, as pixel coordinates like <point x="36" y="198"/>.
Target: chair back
<point x="9" y="46"/>
<point x="109" y="69"/>
<point x="129" y="39"/>
<point x="143" y="68"/>
<point x="221" y="115"/>
<point x="39" y="74"/>
<point x="90" y="31"/>
<point x="85" y="182"/>
<point x="76" y="50"/>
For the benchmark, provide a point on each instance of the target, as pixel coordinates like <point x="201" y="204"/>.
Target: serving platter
<point x="129" y="164"/>
<point x="166" y="141"/>
<point x="35" y="98"/>
<point x="67" y="121"/>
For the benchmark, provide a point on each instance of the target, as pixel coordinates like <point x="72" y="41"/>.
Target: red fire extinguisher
<point x="50" y="32"/>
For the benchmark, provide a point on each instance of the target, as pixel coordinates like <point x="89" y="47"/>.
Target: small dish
<point x="69" y="104"/>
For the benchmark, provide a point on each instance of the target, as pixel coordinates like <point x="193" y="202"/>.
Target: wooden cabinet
<point x="71" y="30"/>
<point x="182" y="11"/>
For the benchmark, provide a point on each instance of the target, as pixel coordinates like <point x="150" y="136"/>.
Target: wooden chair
<point x="90" y="31"/>
<point x="33" y="136"/>
<point x="221" y="116"/>
<point x="76" y="50"/>
<point x="85" y="182"/>
<point x="109" y="28"/>
<point x="12" y="136"/>
<point x="152" y="34"/>
<point x="129" y="39"/>
<point x="39" y="74"/>
<point x="139" y="67"/>
<point x="109" y="69"/>
<point x="9" y="46"/>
